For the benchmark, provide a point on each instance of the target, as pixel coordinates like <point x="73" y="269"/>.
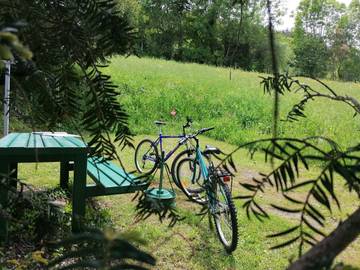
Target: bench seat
<point x="111" y="179"/>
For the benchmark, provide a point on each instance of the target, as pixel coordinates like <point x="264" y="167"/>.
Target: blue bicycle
<point x="147" y="153"/>
<point x="201" y="172"/>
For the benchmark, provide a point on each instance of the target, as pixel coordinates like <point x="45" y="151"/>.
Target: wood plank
<point x="35" y="141"/>
<point x="119" y="172"/>
<point x="112" y="177"/>
<point x="76" y="141"/>
<point x="7" y="140"/>
<point x="49" y="142"/>
<point x="102" y="178"/>
<point x="95" y="190"/>
<point x="115" y="173"/>
<point x="21" y="141"/>
<point x="64" y="143"/>
<point x="79" y="192"/>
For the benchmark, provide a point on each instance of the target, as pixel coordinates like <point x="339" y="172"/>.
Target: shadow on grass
<point x="210" y="253"/>
<point x="341" y="266"/>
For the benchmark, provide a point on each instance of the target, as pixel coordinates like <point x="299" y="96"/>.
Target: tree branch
<point x="323" y="254"/>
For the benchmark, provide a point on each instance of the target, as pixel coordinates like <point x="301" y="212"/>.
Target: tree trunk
<point x="323" y="254"/>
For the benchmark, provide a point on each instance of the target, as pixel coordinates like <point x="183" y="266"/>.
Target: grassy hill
<point x="240" y="112"/>
<point x="238" y="108"/>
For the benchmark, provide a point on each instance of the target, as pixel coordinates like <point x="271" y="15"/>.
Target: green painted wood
<point x="75" y="141"/>
<point x="31" y="140"/>
<point x="7" y="140"/>
<point x="64" y="174"/>
<point x="13" y="174"/>
<point x="112" y="172"/>
<point x="35" y="141"/>
<point x="114" y="168"/>
<point x="111" y="167"/>
<point x="79" y="192"/>
<point x="49" y="142"/>
<point x="112" y="178"/>
<point x="96" y="190"/>
<point x="21" y="141"/>
<point x="104" y="177"/>
<point x="29" y="147"/>
<point x="66" y="143"/>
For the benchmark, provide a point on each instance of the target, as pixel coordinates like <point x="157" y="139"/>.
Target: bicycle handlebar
<point x="201" y="131"/>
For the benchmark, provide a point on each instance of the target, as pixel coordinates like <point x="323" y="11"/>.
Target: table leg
<point x="78" y="195"/>
<point x="64" y="174"/>
<point x="4" y="171"/>
<point x="14" y="174"/>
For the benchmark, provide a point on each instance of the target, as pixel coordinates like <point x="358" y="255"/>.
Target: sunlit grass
<point x="240" y="112"/>
<point x="238" y="108"/>
<point x="191" y="244"/>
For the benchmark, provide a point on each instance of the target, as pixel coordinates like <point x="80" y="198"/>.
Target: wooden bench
<point x="110" y="179"/>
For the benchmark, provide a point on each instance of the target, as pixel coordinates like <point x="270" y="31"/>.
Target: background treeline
<point x="325" y="41"/>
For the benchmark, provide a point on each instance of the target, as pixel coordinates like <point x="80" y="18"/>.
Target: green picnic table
<point x="18" y="148"/>
<point x="72" y="153"/>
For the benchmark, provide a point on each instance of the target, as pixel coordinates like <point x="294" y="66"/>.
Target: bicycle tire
<point x="230" y="215"/>
<point x="187" y="183"/>
<point x="183" y="154"/>
<point x="152" y="162"/>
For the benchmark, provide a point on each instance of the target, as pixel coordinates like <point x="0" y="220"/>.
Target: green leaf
<point x="313" y="228"/>
<point x="315" y="216"/>
<point x="292" y="199"/>
<point x="286" y="209"/>
<point x="287" y="243"/>
<point x="303" y="160"/>
<point x="302" y="184"/>
<point x="288" y="231"/>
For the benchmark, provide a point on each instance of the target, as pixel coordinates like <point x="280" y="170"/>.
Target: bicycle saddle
<point x="159" y="123"/>
<point x="211" y="150"/>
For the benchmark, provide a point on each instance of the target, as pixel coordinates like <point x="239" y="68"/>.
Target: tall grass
<point x="238" y="108"/>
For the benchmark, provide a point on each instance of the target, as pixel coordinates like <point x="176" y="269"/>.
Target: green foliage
<point x="289" y="157"/>
<point x="222" y="33"/>
<point x="33" y="216"/>
<point x="350" y="68"/>
<point x="65" y="83"/>
<point x="326" y="40"/>
<point x="97" y="250"/>
<point x="311" y="56"/>
<point x="10" y="44"/>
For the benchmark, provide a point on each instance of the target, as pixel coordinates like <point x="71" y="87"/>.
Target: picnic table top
<point x="17" y="143"/>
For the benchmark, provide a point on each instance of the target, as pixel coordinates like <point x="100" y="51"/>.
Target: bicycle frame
<point x="159" y="141"/>
<point x="204" y="170"/>
<point x="203" y="167"/>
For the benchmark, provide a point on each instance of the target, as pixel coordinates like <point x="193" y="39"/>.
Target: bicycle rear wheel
<point x="224" y="213"/>
<point x="183" y="154"/>
<point x="146" y="157"/>
<point x="189" y="179"/>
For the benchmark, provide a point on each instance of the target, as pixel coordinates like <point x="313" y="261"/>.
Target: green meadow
<point x="240" y="112"/>
<point x="237" y="108"/>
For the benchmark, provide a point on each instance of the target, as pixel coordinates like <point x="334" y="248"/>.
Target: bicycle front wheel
<point x="224" y="213"/>
<point x="189" y="179"/>
<point x="146" y="157"/>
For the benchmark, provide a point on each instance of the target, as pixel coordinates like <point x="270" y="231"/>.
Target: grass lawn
<point x="191" y="244"/>
<point x="238" y="108"/>
<point x="241" y="113"/>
